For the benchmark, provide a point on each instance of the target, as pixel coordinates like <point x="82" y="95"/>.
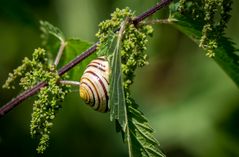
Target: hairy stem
<point x="30" y="92"/>
<point x="68" y="82"/>
<point x="158" y="21"/>
<point x="60" y="52"/>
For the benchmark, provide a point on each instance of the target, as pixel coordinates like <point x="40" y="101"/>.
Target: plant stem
<point x="72" y="83"/>
<point x="60" y="52"/>
<point x="151" y="11"/>
<point x="77" y="60"/>
<point x="158" y="21"/>
<point x="14" y="102"/>
<point x="30" y="92"/>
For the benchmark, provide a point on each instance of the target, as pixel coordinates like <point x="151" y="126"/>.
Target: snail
<point x="94" y="84"/>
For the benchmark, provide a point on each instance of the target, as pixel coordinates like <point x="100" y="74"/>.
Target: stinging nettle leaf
<point x="207" y="31"/>
<point x="111" y="49"/>
<point x="129" y="120"/>
<point x="52" y="38"/>
<point x="74" y="48"/>
<point x="134" y="126"/>
<point x="140" y="135"/>
<point x="48" y="28"/>
<point x="225" y="53"/>
<point x="107" y="49"/>
<point x="117" y="95"/>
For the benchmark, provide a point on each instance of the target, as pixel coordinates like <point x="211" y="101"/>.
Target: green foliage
<point x="48" y="29"/>
<point x="28" y="79"/>
<point x="45" y="109"/>
<point x="47" y="104"/>
<point x="73" y="48"/>
<point x="224" y="51"/>
<point x="132" y="45"/>
<point x="213" y="16"/>
<point x="203" y="21"/>
<point x="112" y="50"/>
<point x="141" y="136"/>
<point x="18" y="72"/>
<point x="39" y="69"/>
<point x="117" y="96"/>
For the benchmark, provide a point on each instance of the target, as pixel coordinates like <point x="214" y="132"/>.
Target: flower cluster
<point x="47" y="104"/>
<point x="133" y="42"/>
<point x="213" y="16"/>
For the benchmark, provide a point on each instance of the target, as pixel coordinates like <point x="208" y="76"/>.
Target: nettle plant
<point x="107" y="75"/>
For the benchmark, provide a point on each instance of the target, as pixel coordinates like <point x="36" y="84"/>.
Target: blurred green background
<point x="188" y="99"/>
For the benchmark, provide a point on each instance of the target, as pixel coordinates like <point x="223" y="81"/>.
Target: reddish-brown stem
<point x="78" y="59"/>
<point x="151" y="11"/>
<point x="30" y="92"/>
<point x="23" y="96"/>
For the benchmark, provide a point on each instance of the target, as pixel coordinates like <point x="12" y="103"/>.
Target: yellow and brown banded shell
<point x="94" y="84"/>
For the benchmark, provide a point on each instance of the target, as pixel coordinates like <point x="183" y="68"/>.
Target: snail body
<point x="94" y="84"/>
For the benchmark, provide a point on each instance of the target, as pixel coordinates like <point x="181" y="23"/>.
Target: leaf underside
<point x="129" y="120"/>
<point x="134" y="126"/>
<point x="117" y="95"/>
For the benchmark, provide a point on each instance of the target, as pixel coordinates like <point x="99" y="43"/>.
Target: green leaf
<point x="48" y="28"/>
<point x="117" y="96"/>
<point x="52" y="38"/>
<point x="74" y="48"/>
<point x="134" y="126"/>
<point x="140" y="137"/>
<point x="129" y="120"/>
<point x="225" y="53"/>
<point x="124" y="60"/>
<point x="111" y="49"/>
<point x="107" y="48"/>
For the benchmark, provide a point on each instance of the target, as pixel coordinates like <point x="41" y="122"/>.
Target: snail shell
<point x="94" y="84"/>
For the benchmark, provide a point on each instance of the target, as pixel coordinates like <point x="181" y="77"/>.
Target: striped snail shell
<point x="94" y="84"/>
